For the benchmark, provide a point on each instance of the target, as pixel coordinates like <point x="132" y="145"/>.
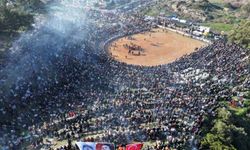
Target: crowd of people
<point x="133" y="48"/>
<point x="95" y="98"/>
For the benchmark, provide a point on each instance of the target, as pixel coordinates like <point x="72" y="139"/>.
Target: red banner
<point x="134" y="146"/>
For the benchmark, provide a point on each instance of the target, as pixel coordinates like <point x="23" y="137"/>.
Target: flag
<point x="95" y="146"/>
<point x="86" y="145"/>
<point x="105" y="146"/>
<point x="137" y="146"/>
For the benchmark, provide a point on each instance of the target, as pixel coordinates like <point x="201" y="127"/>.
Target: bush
<point x="241" y="34"/>
<point x="17" y="15"/>
<point x="229" y="131"/>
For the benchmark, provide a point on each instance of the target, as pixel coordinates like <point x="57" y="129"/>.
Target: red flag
<point x="137" y="146"/>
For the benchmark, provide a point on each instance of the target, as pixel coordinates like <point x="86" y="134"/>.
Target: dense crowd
<point x="165" y="103"/>
<point x="95" y="98"/>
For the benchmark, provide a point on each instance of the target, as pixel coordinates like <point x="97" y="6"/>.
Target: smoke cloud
<point x="63" y="28"/>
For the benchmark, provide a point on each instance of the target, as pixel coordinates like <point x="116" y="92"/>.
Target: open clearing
<point x="153" y="48"/>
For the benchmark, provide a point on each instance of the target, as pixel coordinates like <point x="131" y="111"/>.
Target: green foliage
<point x="216" y="1"/>
<point x="12" y="20"/>
<point x="220" y="26"/>
<point x="206" y="6"/>
<point x="224" y="114"/>
<point x="17" y="15"/>
<point x="214" y="142"/>
<point x="241" y="34"/>
<point x="229" y="131"/>
<point x="247" y="96"/>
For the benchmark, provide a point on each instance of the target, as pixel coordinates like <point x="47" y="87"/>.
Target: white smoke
<point x="64" y="25"/>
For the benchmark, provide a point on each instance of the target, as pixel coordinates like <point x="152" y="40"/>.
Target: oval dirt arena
<point x="152" y="48"/>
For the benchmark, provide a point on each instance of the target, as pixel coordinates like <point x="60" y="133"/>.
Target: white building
<point x="204" y="29"/>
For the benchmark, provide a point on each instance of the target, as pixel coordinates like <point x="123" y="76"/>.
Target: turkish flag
<point x="137" y="146"/>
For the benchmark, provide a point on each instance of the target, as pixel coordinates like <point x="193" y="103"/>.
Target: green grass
<point x="219" y="27"/>
<point x="219" y="3"/>
<point x="216" y="1"/>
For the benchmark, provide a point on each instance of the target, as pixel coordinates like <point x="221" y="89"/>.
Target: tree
<point x="241" y="34"/>
<point x="229" y="131"/>
<point x="16" y="15"/>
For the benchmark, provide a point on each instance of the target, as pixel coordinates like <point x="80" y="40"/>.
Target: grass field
<point x="220" y="26"/>
<point x="216" y="1"/>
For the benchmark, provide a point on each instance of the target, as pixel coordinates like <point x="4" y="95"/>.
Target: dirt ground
<point x="158" y="47"/>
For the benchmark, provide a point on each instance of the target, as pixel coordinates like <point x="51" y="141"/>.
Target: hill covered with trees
<point x="230" y="129"/>
<point x="17" y="15"/>
<point x="241" y="34"/>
